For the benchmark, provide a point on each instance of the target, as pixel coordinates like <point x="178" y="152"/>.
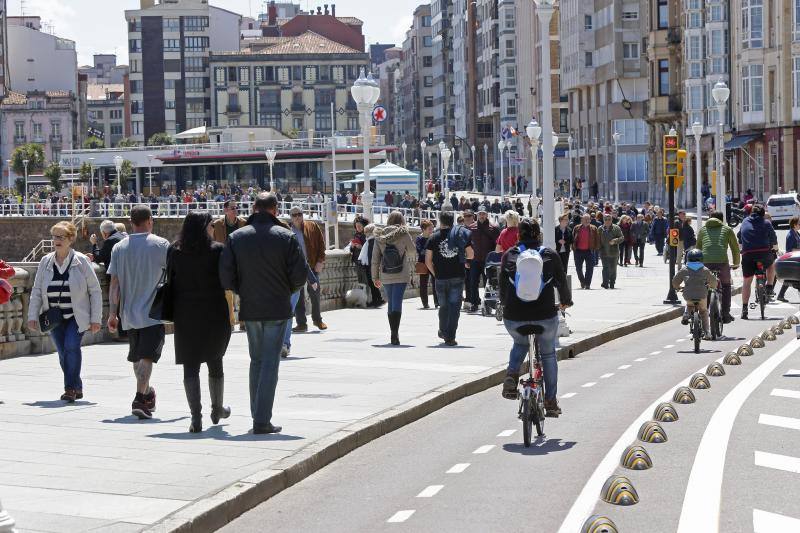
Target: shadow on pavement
<point x="702" y="351"/>
<point x="389" y="345"/>
<point x="219" y="433"/>
<point x="446" y="347"/>
<point x="55" y="404"/>
<point x="130" y="419"/>
<point x="540" y="448"/>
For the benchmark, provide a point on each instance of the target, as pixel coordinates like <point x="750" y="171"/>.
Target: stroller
<point x="491" y="294"/>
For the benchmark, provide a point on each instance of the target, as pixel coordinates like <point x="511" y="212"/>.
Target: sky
<point x="98" y="26"/>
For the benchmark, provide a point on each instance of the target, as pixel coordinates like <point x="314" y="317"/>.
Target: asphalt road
<point x="464" y="468"/>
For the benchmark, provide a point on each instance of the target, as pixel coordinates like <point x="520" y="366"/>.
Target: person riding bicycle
<point x="542" y="311"/>
<point x="714" y="240"/>
<point x="758" y="240"/>
<point x="696" y="280"/>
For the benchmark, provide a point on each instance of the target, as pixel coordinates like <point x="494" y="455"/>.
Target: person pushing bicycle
<point x="696" y="279"/>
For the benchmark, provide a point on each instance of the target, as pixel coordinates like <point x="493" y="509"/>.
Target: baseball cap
<point x="296" y="210"/>
<point x="482" y="209"/>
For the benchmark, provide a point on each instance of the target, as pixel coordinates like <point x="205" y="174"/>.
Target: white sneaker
<point x="285" y="350"/>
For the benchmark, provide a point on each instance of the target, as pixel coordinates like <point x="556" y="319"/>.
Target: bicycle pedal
<point x="752" y="306"/>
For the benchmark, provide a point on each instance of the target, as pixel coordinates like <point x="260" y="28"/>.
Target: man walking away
<point x="586" y="242"/>
<point x="687" y="238"/>
<point x="448" y="249"/>
<point x="222" y="228"/>
<point x="312" y="245"/>
<point x="639" y="231"/>
<point x="714" y="240"/>
<point x="137" y="264"/>
<point x="264" y="264"/>
<point x="484" y="238"/>
<point x="658" y="232"/>
<point x="610" y="237"/>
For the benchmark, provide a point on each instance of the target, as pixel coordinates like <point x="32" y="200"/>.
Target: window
<point x="511" y="76"/>
<point x="195" y="105"/>
<point x="196" y="44"/>
<point x="696" y="69"/>
<point x="630" y="50"/>
<point x="427" y="41"/>
<point x="695" y="48"/>
<point x="116" y="129"/>
<point x="169" y="104"/>
<point x="271" y="120"/>
<point x="753" y="23"/>
<point x="796" y="11"/>
<point x="509" y="18"/>
<point x="511" y="107"/>
<point x="195" y="23"/>
<point x="587" y="22"/>
<point x="427" y="81"/>
<point x="98" y="115"/>
<point x="55" y="129"/>
<point x="694" y="20"/>
<point x="169" y="84"/>
<point x="135" y="65"/>
<point x="19" y="129"/>
<point x="426" y="21"/>
<point x="297" y="123"/>
<point x="718" y="43"/>
<point x="633" y="131"/>
<point x="662" y="14"/>
<point x="337" y="74"/>
<point x="37" y="130"/>
<point x="663" y="77"/>
<point x="136" y="86"/>
<point x="284" y="74"/>
<point x="428" y="122"/>
<point x="134" y="45"/>
<point x="509" y="47"/>
<point x="427" y="61"/>
<point x="195" y="85"/>
<point x="352" y="123"/>
<point x="323" y="121"/>
<point x="135" y="25"/>
<point x="630" y="13"/>
<point x="244" y="75"/>
<point x="716" y="13"/>
<point x="632" y="167"/>
<point x="310" y="74"/>
<point x="137" y="127"/>
<point x="171" y="24"/>
<point x="753" y="88"/>
<point x="796" y="81"/>
<point x="195" y="64"/>
<point x="219" y="76"/>
<point x="428" y="102"/>
<point x="115" y="114"/>
<point x="172" y="45"/>
<point x="588" y="59"/>
<point x="719" y="65"/>
<point x="136" y="107"/>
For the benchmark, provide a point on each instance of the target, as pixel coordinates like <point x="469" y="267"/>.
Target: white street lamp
<point x="534" y="131"/>
<point x="697" y="130"/>
<point x="617" y="136"/>
<point x="365" y="92"/>
<point x="118" y="165"/>
<point x="424" y="146"/>
<point x="404" y="146"/>
<point x="474" y="172"/>
<point x="544" y="8"/>
<point x="91" y="175"/>
<point x="721" y="93"/>
<point x="501" y="146"/>
<point x="446" y="153"/>
<point x="8" y="163"/>
<point x="442" y="170"/>
<point x="485" y="165"/>
<point x="25" y="163"/>
<point x="570" y="141"/>
<point x="271" y="155"/>
<point x="150" y="172"/>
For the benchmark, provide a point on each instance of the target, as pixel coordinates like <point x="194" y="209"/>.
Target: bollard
<point x="6" y="522"/>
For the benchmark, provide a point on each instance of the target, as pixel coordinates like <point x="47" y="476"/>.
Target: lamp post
<point x="617" y="136"/>
<point x="365" y="92"/>
<point x="544" y="8"/>
<point x="91" y="175"/>
<point x="8" y="164"/>
<point x="721" y="93"/>
<point x="25" y="163"/>
<point x="442" y="148"/>
<point x="534" y="132"/>
<point x="697" y="130"/>
<point x="150" y="172"/>
<point x="424" y="146"/>
<point x="570" y="141"/>
<point x="446" y="153"/>
<point x="404" y="146"/>
<point x="501" y="146"/>
<point x="485" y="165"/>
<point x="271" y="155"/>
<point x="474" y="171"/>
<point x="118" y="167"/>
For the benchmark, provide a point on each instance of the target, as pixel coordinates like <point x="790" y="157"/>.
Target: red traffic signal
<point x="670" y="141"/>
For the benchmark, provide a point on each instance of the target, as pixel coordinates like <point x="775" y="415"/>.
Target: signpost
<point x="671" y="172"/>
<point x="379" y="114"/>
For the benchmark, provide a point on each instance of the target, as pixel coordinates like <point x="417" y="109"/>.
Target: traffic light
<point x="670" y="157"/>
<point x="679" y="178"/>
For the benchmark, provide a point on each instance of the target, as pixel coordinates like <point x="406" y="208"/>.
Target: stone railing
<point x="338" y="277"/>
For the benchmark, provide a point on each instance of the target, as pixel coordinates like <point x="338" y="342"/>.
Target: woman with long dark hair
<point x="202" y="325"/>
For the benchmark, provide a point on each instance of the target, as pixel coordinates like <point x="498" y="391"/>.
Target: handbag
<point x="51" y="317"/>
<point x="421" y="268"/>
<point x="163" y="305"/>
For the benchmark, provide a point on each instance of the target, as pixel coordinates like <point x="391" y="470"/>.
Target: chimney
<point x="272" y="14"/>
<point x="326" y="10"/>
<point x="333" y="10"/>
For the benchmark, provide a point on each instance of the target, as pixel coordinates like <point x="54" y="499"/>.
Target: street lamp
<point x="118" y="165"/>
<point x="617" y="136"/>
<point x="150" y="172"/>
<point x="8" y="163"/>
<point x="545" y="11"/>
<point x="424" y="146"/>
<point x="570" y="141"/>
<point x="25" y="162"/>
<point x="404" y="146"/>
<point x="91" y="175"/>
<point x="446" y="153"/>
<point x="501" y="146"/>
<point x="721" y="93"/>
<point x="697" y="130"/>
<point x="485" y="165"/>
<point x="442" y="177"/>
<point x="474" y="172"/>
<point x="365" y="92"/>
<point x="271" y="155"/>
<point x="534" y="131"/>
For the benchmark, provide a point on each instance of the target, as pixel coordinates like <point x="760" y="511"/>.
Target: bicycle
<point x="531" y="399"/>
<point x="715" y="309"/>
<point x="696" y="326"/>
<point x="762" y="298"/>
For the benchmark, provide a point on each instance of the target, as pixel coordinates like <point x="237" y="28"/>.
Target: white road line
<point x="779" y="421"/>
<point x="778" y="462"/>
<point x="590" y="384"/>
<point x="766" y="522"/>
<point x="656" y="352"/>
<point x="568" y="395"/>
<point x="623" y="367"/>
<point x="701" y="504"/>
<point x="640" y="360"/>
<point x="458" y="468"/>
<point x="668" y="346"/>
<point x="791" y="373"/>
<point x="507" y="433"/>
<point x="484" y="449"/>
<point x="401" y="516"/>
<point x="606" y="376"/>
<point x="681" y="340"/>
<point x="430" y="491"/>
<point x="784" y="393"/>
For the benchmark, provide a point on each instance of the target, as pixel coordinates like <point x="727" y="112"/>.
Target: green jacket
<point x="714" y="240"/>
<point x="609" y="240"/>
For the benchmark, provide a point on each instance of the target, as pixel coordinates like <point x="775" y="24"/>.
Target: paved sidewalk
<point x="91" y="466"/>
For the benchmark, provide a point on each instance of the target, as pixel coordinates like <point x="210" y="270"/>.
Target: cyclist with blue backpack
<point x="529" y="276"/>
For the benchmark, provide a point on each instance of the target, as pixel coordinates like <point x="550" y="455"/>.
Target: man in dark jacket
<point x="759" y="242"/>
<point x="687" y="237"/>
<point x="484" y="238"/>
<point x="264" y="264"/>
<point x="111" y="237"/>
<point x="658" y="231"/>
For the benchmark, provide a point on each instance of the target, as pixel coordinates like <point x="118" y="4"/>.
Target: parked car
<point x="782" y="207"/>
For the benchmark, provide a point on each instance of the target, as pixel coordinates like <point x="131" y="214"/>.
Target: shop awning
<point x="741" y="140"/>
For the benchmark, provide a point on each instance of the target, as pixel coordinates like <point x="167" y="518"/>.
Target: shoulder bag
<point x="52" y="317"/>
<point x="163" y="306"/>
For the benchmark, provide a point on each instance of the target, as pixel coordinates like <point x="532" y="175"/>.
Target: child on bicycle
<point x="696" y="280"/>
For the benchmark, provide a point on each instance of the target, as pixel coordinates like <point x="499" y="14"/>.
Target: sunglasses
<point x="59" y="237"/>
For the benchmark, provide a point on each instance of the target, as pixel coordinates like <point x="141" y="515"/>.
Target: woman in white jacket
<point x="66" y="281"/>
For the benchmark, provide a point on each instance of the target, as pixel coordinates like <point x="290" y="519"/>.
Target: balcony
<point x="233" y="108"/>
<point x="675" y="104"/>
<point x="55" y="139"/>
<point x="663" y="108"/>
<point x="674" y="35"/>
<point x="38" y="139"/>
<point x="299" y="107"/>
<point x="20" y="139"/>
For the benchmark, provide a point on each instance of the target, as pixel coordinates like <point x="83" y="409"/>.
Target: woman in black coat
<point x="564" y="238"/>
<point x="202" y="325"/>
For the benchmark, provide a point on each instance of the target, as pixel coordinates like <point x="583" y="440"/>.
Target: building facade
<point x="388" y="74"/>
<point x="4" y="74"/>
<point x="106" y="111"/>
<point x="442" y="51"/>
<point x="39" y="61"/>
<point x="417" y="87"/>
<point x="104" y="70"/>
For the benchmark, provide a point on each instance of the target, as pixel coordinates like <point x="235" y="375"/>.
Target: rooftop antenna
<point x="22" y="5"/>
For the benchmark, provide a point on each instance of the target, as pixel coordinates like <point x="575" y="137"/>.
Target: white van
<point x="782" y="207"/>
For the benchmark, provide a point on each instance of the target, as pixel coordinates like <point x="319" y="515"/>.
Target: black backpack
<point x="392" y="262"/>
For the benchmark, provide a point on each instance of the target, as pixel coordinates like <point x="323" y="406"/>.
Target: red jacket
<point x="6" y="270"/>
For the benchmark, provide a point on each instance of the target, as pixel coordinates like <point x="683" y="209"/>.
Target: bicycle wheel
<point x="697" y="331"/>
<point x="716" y="322"/>
<point x="762" y="300"/>
<point x="526" y="417"/>
<point x="539" y="414"/>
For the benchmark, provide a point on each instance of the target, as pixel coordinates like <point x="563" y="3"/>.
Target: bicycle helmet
<point x="694" y="256"/>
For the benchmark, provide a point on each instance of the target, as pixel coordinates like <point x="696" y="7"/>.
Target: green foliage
<point x="160" y="139"/>
<point x="93" y="143"/>
<point x="127" y="142"/>
<point x="53" y="175"/>
<point x="19" y="184"/>
<point x="34" y="153"/>
<point x="85" y="172"/>
<point x="125" y="172"/>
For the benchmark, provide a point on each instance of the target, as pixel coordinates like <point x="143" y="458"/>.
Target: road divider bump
<point x="700" y="382"/>
<point x="794" y="320"/>
<point x="665" y="412"/>
<point x="715" y="370"/>
<point x="732" y="359"/>
<point x="684" y="396"/>
<point x="619" y="490"/>
<point x="636" y="458"/>
<point x="599" y="524"/>
<point x="757" y="342"/>
<point x="745" y="350"/>
<point x="653" y="433"/>
<point x="777" y="330"/>
<point x="767" y="335"/>
<point x="786" y="324"/>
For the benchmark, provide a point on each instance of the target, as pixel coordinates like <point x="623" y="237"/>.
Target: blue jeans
<point x="264" y="339"/>
<point x="474" y="274"/>
<point x="67" y="339"/>
<point x="394" y="293"/>
<point x="449" y="292"/>
<point x="547" y="351"/>
<point x="287" y="334"/>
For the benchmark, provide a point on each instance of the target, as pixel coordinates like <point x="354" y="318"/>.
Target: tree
<point x="160" y="139"/>
<point x="34" y="153"/>
<point x="93" y="143"/>
<point x="125" y="172"/>
<point x="53" y="174"/>
<point x="19" y="184"/>
<point x="85" y="172"/>
<point x="127" y="142"/>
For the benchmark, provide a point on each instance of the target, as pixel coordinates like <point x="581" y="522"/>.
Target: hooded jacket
<point x="400" y="237"/>
<point x="757" y="235"/>
<point x="696" y="279"/>
<point x="714" y="240"/>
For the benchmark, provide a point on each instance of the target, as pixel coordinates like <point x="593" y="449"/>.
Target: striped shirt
<point x="60" y="285"/>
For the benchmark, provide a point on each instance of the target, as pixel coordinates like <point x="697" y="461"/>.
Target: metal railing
<point x="44" y="247"/>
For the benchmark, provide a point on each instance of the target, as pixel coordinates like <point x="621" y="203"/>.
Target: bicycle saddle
<point x="530" y="329"/>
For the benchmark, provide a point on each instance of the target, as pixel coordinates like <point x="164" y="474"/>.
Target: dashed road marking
<point x="681" y="340"/>
<point x="784" y="393"/>
<point x="606" y="376"/>
<point x="640" y="360"/>
<point x="507" y="433"/>
<point x="568" y="395"/>
<point x="484" y="449"/>
<point x="792" y="373"/>
<point x="778" y="462"/>
<point x="668" y="346"/>
<point x="766" y="522"/>
<point x="623" y="367"/>
<point x="401" y="516"/>
<point x="779" y="421"/>
<point x="656" y="352"/>
<point x="458" y="468"/>
<point x="590" y="384"/>
<point x="430" y="491"/>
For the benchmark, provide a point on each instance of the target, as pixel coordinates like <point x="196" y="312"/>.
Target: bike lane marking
<point x="507" y="433"/>
<point x="590" y="384"/>
<point x="639" y="360"/>
<point x="606" y="376"/>
<point x="766" y="522"/>
<point x="779" y="421"/>
<point x="458" y="468"/>
<point x="568" y="395"/>
<point x="669" y="346"/>
<point x="657" y="352"/>
<point x="701" y="504"/>
<point x="401" y="516"/>
<point x="430" y="491"/>
<point x="777" y="461"/>
<point x="623" y="367"/>
<point x="484" y="449"/>
<point x="784" y="393"/>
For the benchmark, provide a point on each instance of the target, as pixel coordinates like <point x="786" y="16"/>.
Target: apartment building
<point x="487" y="75"/>
<point x="38" y="61"/>
<point x="417" y="86"/>
<point x="106" y="111"/>
<point x="605" y="73"/>
<point x="4" y="74"/>
<point x="388" y="73"/>
<point x="442" y="52"/>
<point x="104" y="70"/>
<point x="48" y="118"/>
<point x="169" y="43"/>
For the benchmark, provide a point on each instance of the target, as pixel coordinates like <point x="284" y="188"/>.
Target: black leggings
<point x="192" y="370"/>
